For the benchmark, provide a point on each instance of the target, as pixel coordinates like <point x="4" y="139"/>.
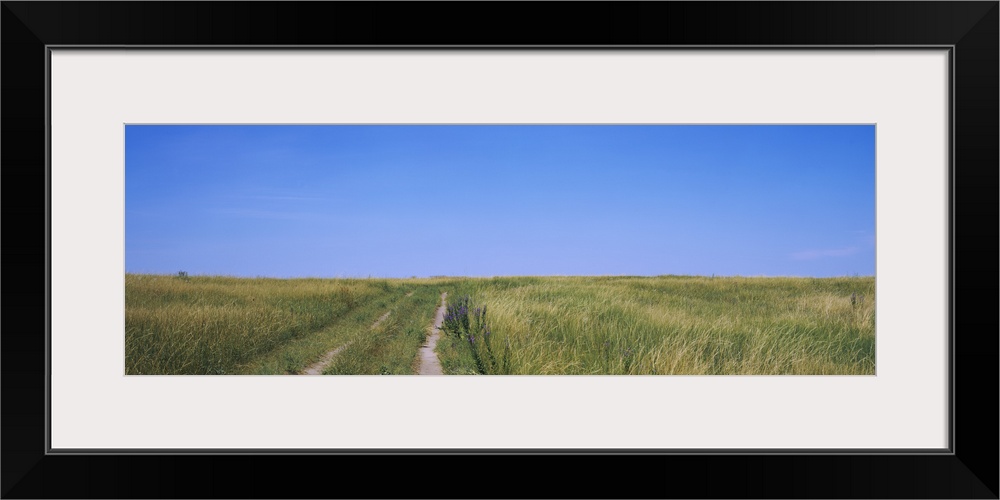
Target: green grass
<point x="673" y="325"/>
<point x="540" y="325"/>
<point x="222" y="325"/>
<point x="391" y="347"/>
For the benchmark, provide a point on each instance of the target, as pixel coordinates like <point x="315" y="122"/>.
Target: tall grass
<point x="216" y="325"/>
<point x="517" y="325"/>
<point x="467" y="324"/>
<point x="676" y="325"/>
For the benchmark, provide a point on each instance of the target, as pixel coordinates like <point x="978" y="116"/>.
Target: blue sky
<point x="497" y="200"/>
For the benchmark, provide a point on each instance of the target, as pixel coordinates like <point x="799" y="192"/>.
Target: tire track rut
<point x="318" y="367"/>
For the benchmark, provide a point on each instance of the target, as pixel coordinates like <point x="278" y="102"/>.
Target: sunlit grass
<point x="538" y="325"/>
<point x="391" y="347"/>
<point x="222" y="325"/>
<point x="676" y="325"/>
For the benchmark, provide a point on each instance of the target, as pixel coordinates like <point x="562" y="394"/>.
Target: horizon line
<point x="441" y="276"/>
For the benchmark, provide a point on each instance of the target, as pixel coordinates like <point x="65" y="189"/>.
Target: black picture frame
<point x="970" y="29"/>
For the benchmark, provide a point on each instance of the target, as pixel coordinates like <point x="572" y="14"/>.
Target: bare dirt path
<point x="429" y="362"/>
<point x="318" y="367"/>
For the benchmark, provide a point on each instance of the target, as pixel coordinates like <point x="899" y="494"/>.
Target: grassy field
<point x="218" y="325"/>
<point x="526" y="325"/>
<point x="666" y="325"/>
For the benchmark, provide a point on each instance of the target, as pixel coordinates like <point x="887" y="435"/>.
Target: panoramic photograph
<point x="639" y="250"/>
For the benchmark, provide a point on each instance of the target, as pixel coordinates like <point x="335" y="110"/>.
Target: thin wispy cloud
<point x="265" y="214"/>
<point x="822" y="254"/>
<point x="281" y="198"/>
<point x="866" y="235"/>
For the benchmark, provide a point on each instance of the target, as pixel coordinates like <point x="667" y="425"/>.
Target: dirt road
<point x="429" y="363"/>
<point x="318" y="367"/>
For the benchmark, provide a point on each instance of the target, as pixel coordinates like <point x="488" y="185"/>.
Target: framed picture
<point x="917" y="81"/>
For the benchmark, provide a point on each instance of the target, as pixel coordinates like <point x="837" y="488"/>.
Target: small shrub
<point x="475" y="330"/>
